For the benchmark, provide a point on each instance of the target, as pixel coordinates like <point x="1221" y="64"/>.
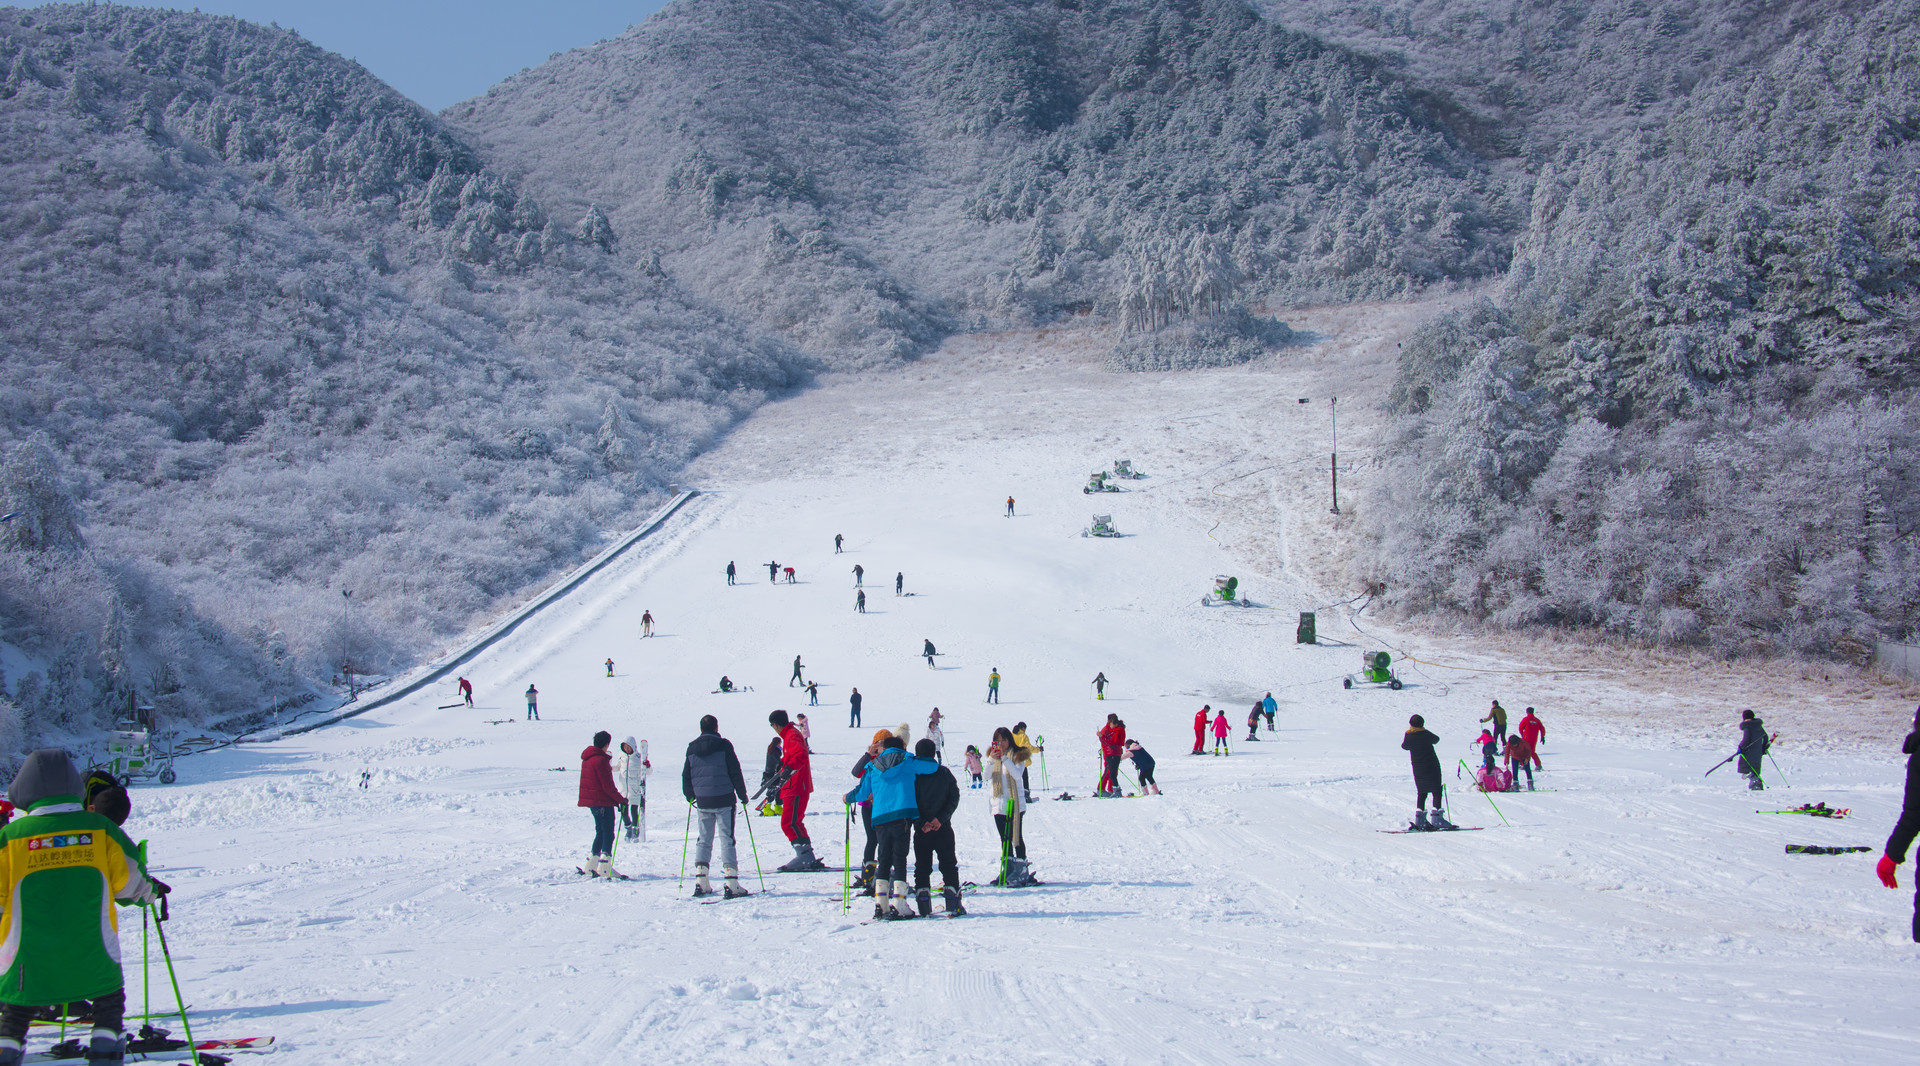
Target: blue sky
<point x="440" y="52"/>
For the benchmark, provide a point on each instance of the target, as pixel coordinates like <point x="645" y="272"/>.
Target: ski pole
<point x="755" y="848"/>
<point x="160" y="931"/>
<point x="1042" y="741"/>
<point x="846" y="863"/>
<point x="146" y="973"/>
<point x="684" y="838"/>
<point x="1489" y="795"/>
<point x="1721" y="763"/>
<point x="1776" y="769"/>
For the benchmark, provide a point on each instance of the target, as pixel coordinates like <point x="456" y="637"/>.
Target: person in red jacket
<point x="1200" y="719"/>
<point x="1113" y="745"/>
<point x="598" y="795"/>
<point x="1533" y="731"/>
<point x="1519" y="758"/>
<point x="796" y="784"/>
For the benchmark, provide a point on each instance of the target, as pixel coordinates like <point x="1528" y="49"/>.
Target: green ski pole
<point x="1489" y="795"/>
<point x="755" y="848"/>
<point x="687" y="836"/>
<point x="846" y="863"/>
<point x="160" y="931"/>
<point x="1042" y="741"/>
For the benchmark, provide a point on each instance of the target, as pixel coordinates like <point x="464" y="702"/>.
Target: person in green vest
<point x="62" y="868"/>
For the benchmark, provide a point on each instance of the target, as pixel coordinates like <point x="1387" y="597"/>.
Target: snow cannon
<point x="1124" y="468"/>
<point x="1097" y="482"/>
<point x="130" y="755"/>
<point x="1376" y="668"/>
<point x="1102" y="527"/>
<point x="1226" y="591"/>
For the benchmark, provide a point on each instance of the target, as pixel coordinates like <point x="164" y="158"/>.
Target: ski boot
<point x="106" y="1049"/>
<point x="701" y="886"/>
<point x="812" y="861"/>
<point x="1420" y="821"/>
<point x="1438" y="820"/>
<point x="733" y="889"/>
<point x="902" y="907"/>
<point x="633" y="833"/>
<point x="924" y="900"/>
<point x="951" y="897"/>
<point x="863" y="884"/>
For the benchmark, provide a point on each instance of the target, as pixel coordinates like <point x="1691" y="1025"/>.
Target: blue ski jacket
<point x="888" y="782"/>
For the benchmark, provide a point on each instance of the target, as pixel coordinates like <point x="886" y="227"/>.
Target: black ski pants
<point x="1146" y="778"/>
<point x="866" y="822"/>
<point x="1426" y="790"/>
<point x="109" y="1014"/>
<point x="892" y="856"/>
<point x="929" y="846"/>
<point x="1005" y="826"/>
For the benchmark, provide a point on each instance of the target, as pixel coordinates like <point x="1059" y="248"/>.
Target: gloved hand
<point x="160" y="888"/>
<point x="1885" y="870"/>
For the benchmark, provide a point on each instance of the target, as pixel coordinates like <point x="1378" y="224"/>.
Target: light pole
<point x="346" y="639"/>
<point x="1333" y="459"/>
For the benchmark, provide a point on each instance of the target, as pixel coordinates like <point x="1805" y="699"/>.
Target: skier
<point x="1489" y="749"/>
<point x="971" y="762"/>
<point x="646" y="623"/>
<point x="365" y="777"/>
<point x="710" y="778"/>
<point x="1220" y="730"/>
<point x="796" y="785"/>
<point x="770" y="780"/>
<point x="853" y="709"/>
<point x="1100" y="685"/>
<point x="936" y="795"/>
<point x="466" y="691"/>
<point x="1200" y="719"/>
<point x="813" y="696"/>
<point x="1143" y="765"/>
<point x="730" y="571"/>
<point x="1253" y="720"/>
<point x="927" y="650"/>
<point x="533" y="704"/>
<point x="993" y="685"/>
<point x="860" y="601"/>
<point x="806" y="731"/>
<point x="630" y="769"/>
<point x="899" y="582"/>
<point x="796" y="679"/>
<point x="1753" y="748"/>
<point x="862" y="884"/>
<point x="60" y="866"/>
<point x="837" y="539"/>
<point x="889" y="783"/>
<point x="937" y="735"/>
<point x="599" y="795"/>
<point x="1004" y="763"/>
<point x="1908" y="824"/>
<point x="1113" y="744"/>
<point x="1498" y="716"/>
<point x="859" y="575"/>
<point x="1419" y="745"/>
<point x="1009" y="507"/>
<point x="726" y="683"/>
<point x="1519" y="757"/>
<point x="773" y="572"/>
<point x="789" y="572"/>
<point x="609" y="667"/>
<point x="1026" y="773"/>
<point x="1267" y="707"/>
<point x="1533" y="730"/>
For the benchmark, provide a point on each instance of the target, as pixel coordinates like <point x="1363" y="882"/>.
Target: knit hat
<point x="880" y="736"/>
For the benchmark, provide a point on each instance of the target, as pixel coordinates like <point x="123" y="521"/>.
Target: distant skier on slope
<point x="1253" y="720"/>
<point x="1220" y="730"/>
<point x="860" y="601"/>
<point x="837" y="541"/>
<point x="853" y="709"/>
<point x="466" y="691"/>
<point x="1908" y="825"/>
<point x="899" y="582"/>
<point x="773" y="572"/>
<point x="609" y="667"/>
<point x="1519" y="759"/>
<point x="730" y="571"/>
<point x="1753" y="748"/>
<point x="796" y="679"/>
<point x="993" y="685"/>
<point x="789" y="572"/>
<point x="927" y="650"/>
<point x="1427" y="781"/>
<point x="630" y="770"/>
<point x="533" y="704"/>
<point x="1009" y="507"/>
<point x="710" y="778"/>
<point x="937" y="735"/>
<point x="813" y="696"/>
<point x="726" y="683"/>
<point x="1201" y="718"/>
<point x="646" y="623"/>
<point x="1100" y="685"/>
<point x="1533" y="731"/>
<point x="600" y="796"/>
<point x="1498" y="716"/>
<point x="1267" y="707"/>
<point x="1489" y="751"/>
<point x="795" y="787"/>
<point x="859" y="575"/>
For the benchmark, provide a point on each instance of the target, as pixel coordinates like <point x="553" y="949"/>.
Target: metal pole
<point x="755" y="848"/>
<point x="1333" y="460"/>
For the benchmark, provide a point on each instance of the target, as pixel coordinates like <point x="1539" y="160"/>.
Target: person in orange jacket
<point x="1200" y="719"/>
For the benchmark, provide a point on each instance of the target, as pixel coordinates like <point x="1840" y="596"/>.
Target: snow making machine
<point x="1376" y="668"/>
<point x="1123" y="468"/>
<point x="131" y="754"/>
<point x="1225" y="593"/>
<point x="1102" y="527"/>
<point x="1097" y="482"/>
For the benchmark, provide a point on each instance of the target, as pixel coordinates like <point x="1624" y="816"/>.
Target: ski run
<point x="1629" y="911"/>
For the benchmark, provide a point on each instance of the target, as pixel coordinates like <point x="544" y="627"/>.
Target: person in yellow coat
<point x="62" y="868"/>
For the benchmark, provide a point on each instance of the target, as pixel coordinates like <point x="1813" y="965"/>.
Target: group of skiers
<point x="1207" y="718"/>
<point x="1520" y="749"/>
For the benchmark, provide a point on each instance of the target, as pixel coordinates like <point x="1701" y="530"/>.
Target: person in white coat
<point x="630" y="769"/>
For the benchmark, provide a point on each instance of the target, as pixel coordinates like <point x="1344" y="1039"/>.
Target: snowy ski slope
<point x="1255" y="912"/>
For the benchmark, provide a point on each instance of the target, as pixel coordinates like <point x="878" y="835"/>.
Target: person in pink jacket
<point x="1221" y="727"/>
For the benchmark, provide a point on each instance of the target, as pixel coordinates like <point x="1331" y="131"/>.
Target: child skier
<point x="937" y="735"/>
<point x="1143" y="765"/>
<point x="972" y="763"/>
<point x="1100" y="685"/>
<point x="813" y="699"/>
<point x="1220" y="730"/>
<point x="806" y="731"/>
<point x="1489" y="748"/>
<point x="59" y="867"/>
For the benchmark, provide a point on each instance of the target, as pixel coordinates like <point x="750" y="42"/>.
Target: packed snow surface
<point x="1255" y="912"/>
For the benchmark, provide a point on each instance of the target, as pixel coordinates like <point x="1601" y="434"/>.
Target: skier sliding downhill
<point x="466" y="691"/>
<point x="646" y="623"/>
<point x="1100" y="685"/>
<point x="927" y="650"/>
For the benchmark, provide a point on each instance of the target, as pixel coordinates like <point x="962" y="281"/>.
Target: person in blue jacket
<point x="888" y="783"/>
<point x="1267" y="707"/>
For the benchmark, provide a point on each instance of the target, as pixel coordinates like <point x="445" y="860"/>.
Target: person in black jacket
<point x="1908" y="826"/>
<point x="1419" y="745"/>
<point x="937" y="796"/>
<point x="711" y="779"/>
<point x="1753" y="748"/>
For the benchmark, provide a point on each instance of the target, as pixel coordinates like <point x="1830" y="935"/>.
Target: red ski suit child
<point x="798" y="785"/>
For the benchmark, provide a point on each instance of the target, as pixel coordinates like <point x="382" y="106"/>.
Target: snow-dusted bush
<point x="1226" y="338"/>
